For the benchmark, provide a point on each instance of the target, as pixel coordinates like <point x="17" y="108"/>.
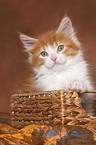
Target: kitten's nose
<point x="54" y="59"/>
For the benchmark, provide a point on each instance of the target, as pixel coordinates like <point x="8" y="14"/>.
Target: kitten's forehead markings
<point x="51" y="48"/>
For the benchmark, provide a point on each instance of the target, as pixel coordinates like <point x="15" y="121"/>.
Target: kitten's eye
<point x="44" y="53"/>
<point x="60" y="48"/>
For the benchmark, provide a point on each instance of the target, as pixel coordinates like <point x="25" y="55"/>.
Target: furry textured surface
<point x="63" y="69"/>
<point x="57" y="61"/>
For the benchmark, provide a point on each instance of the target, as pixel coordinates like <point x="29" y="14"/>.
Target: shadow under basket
<point x="49" y="108"/>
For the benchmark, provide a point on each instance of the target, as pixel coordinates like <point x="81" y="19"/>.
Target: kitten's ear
<point x="27" y="41"/>
<point x="65" y="26"/>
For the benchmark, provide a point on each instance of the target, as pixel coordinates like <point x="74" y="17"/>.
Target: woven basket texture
<point x="49" y="108"/>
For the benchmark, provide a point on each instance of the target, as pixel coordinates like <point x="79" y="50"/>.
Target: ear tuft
<point x="27" y="41"/>
<point x="65" y="26"/>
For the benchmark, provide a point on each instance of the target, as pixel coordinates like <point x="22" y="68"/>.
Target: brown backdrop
<point x="34" y="17"/>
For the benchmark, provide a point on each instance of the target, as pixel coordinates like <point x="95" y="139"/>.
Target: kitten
<point x="57" y="61"/>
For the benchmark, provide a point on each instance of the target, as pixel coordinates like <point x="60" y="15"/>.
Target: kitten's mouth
<point x="57" y="67"/>
<point x="57" y="64"/>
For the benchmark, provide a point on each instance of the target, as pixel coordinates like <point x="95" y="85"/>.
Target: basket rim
<point x="49" y="92"/>
<point x="42" y="92"/>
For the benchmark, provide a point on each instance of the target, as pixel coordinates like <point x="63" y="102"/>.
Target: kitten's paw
<point x="78" y="86"/>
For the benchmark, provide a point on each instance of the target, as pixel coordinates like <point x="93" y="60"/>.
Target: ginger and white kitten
<point x="57" y="61"/>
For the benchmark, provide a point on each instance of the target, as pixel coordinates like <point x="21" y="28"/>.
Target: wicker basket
<point x="51" y="108"/>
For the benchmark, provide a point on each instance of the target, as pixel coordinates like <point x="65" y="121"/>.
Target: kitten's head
<point x="52" y="49"/>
